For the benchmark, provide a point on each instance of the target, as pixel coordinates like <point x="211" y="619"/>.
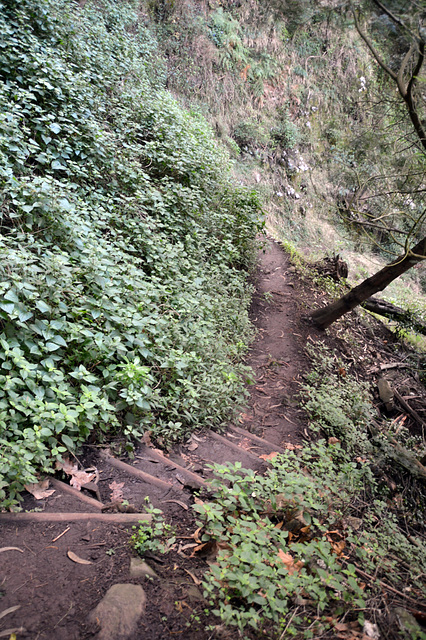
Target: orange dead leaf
<point x="243" y="73"/>
<point x="40" y="489"/>
<point x="116" y="491"/>
<point x="196" y="536"/>
<point x="338" y="547"/>
<point x="288" y="560"/>
<point x="269" y="456"/>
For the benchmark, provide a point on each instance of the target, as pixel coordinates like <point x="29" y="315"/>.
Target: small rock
<point x="117" y="614"/>
<point x="194" y="594"/>
<point x="354" y="523"/>
<point x="140" y="569"/>
<point x="385" y="393"/>
<point x="371" y="630"/>
<point x="407" y="623"/>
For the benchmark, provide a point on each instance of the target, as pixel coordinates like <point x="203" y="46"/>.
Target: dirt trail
<point x="55" y="594"/>
<point x="276" y="355"/>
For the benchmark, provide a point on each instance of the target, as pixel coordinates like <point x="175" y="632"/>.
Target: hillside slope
<point x="123" y="242"/>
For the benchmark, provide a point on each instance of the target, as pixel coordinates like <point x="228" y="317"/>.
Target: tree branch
<point x="395" y="19"/>
<point x="369" y="44"/>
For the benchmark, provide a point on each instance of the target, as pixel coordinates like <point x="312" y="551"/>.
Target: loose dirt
<point x="55" y="594"/>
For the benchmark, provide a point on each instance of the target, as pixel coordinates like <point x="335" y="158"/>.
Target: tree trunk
<point x="324" y="317"/>
<point x="388" y="310"/>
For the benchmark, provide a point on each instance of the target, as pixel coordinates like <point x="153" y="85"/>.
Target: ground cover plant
<point x="309" y="549"/>
<point x="124" y="242"/>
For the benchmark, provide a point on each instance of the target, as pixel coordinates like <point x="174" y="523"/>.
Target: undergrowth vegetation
<point x="124" y="242"/>
<point x="298" y="546"/>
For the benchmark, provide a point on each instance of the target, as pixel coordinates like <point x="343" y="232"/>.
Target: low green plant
<point x="291" y="543"/>
<point x="155" y="536"/>
<point x="124" y="242"/>
<point x="272" y="532"/>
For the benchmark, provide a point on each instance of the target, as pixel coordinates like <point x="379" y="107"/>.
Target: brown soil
<point x="55" y="594"/>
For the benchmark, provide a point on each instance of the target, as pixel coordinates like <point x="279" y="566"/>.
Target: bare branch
<point x="395" y="19"/>
<point x="369" y="44"/>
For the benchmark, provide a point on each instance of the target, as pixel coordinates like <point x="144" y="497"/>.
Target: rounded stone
<point x="117" y="614"/>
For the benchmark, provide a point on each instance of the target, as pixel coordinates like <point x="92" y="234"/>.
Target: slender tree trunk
<point x="324" y="317"/>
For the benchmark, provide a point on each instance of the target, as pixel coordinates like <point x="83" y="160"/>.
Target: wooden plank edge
<point x="63" y="486"/>
<point x="137" y="473"/>
<point x="44" y="516"/>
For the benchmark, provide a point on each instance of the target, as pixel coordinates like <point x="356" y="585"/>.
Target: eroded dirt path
<point x="276" y="355"/>
<point x="55" y="594"/>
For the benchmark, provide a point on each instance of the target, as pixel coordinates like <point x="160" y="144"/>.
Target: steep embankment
<point x="123" y="238"/>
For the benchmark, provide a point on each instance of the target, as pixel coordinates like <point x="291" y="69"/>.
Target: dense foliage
<point x="295" y="545"/>
<point x="123" y="241"/>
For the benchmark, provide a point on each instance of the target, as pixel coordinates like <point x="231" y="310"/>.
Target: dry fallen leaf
<point x="116" y="491"/>
<point x="192" y="446"/>
<point x="181" y="504"/>
<point x="292" y="447"/>
<point x="75" y="558"/>
<point x="146" y="438"/>
<point x="338" y="547"/>
<point x="269" y="456"/>
<point x="66" y="466"/>
<point x="40" y="489"/>
<point x="197" y="500"/>
<point x="333" y="440"/>
<point x="195" y="579"/>
<point x="341" y="626"/>
<point x="288" y="560"/>
<point x="9" y="610"/>
<point x="79" y="478"/>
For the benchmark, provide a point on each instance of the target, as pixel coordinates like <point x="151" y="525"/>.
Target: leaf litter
<point x="79" y="477"/>
<point x="40" y="489"/>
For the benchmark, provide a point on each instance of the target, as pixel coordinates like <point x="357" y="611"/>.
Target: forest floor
<point x="51" y="592"/>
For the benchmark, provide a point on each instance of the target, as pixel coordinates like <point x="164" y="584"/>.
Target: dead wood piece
<point x="409" y="409"/>
<point x="390" y="365"/>
<point x="119" y="518"/>
<point x="386" y="586"/>
<point x="63" y="486"/>
<point x="232" y="445"/>
<point x="398" y="453"/>
<point x="157" y="455"/>
<point x="388" y="310"/>
<point x="334" y="268"/>
<point x="252" y="436"/>
<point x="145" y="477"/>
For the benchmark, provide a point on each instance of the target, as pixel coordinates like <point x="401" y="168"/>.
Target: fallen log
<point x="194" y="477"/>
<point x="388" y="310"/>
<point x="397" y="452"/>
<point x="409" y="409"/>
<point x="117" y="518"/>
<point x="145" y="477"/>
<point x="63" y="486"/>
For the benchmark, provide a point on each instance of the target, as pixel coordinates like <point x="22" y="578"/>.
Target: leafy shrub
<point x="285" y="133"/>
<point x="294" y="544"/>
<point x="272" y="535"/>
<point x="123" y="240"/>
<point x="250" y="135"/>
